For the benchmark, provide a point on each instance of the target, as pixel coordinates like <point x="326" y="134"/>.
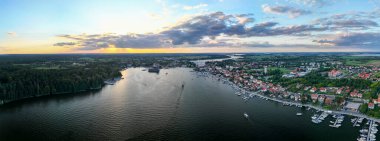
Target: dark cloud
<point x="285" y="30"/>
<point x="257" y="44"/>
<point x="290" y="11"/>
<point x="211" y="25"/>
<point x="65" y="44"/>
<point x="193" y="30"/>
<point x="354" y="39"/>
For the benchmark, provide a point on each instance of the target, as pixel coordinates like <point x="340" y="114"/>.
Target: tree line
<point x="18" y="82"/>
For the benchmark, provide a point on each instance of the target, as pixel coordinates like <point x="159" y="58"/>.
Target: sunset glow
<point x="170" y="26"/>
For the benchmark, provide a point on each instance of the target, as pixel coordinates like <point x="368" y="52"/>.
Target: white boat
<point x="314" y="117"/>
<point x="246" y="115"/>
<point x="299" y="114"/>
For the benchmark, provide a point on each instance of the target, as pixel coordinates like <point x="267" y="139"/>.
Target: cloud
<point x="65" y="44"/>
<point x="351" y="23"/>
<point x="257" y="44"/>
<point x="11" y="34"/>
<point x="357" y="20"/>
<point x="211" y="25"/>
<point x="214" y="24"/>
<point x="315" y="3"/>
<point x="192" y="31"/>
<point x="353" y="39"/>
<point x="268" y="29"/>
<point x="195" y="6"/>
<point x="90" y="42"/>
<point x="290" y="11"/>
<point x="235" y="43"/>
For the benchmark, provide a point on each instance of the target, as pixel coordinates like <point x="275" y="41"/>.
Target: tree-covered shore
<point x="27" y="76"/>
<point x="25" y="79"/>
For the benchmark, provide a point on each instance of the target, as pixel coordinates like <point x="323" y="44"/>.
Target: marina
<point x="368" y="132"/>
<point x="316" y="118"/>
<point x="338" y="121"/>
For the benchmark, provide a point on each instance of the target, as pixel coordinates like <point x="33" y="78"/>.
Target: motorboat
<point x="246" y="115"/>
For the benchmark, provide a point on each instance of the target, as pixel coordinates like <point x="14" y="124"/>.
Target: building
<point x="323" y="89"/>
<point x="321" y="98"/>
<point x="334" y="73"/>
<point x="339" y="91"/>
<point x="360" y="95"/>
<point x="329" y="100"/>
<point x="306" y="88"/>
<point x="265" y="69"/>
<point x="297" y="97"/>
<point x="352" y="106"/>
<point x="371" y="105"/>
<point x="354" y="93"/>
<point x="314" y="97"/>
<point x="364" y="75"/>
<point x="313" y="90"/>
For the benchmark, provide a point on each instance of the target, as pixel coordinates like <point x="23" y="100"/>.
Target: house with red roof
<point x="313" y="90"/>
<point x="306" y="88"/>
<point x="264" y="89"/>
<point x="371" y="105"/>
<point x="354" y="93"/>
<point x="360" y="95"/>
<point x="339" y="91"/>
<point x="334" y="73"/>
<point x="314" y="97"/>
<point x="364" y="75"/>
<point x="323" y="89"/>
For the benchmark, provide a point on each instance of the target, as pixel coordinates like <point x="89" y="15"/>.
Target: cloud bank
<point x="192" y="31"/>
<point x="354" y="39"/>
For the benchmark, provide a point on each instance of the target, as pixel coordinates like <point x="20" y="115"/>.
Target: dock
<point x="355" y="122"/>
<point x="372" y="130"/>
<point x="369" y="130"/>
<point x="338" y="121"/>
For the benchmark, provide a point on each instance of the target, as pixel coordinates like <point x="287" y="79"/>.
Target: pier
<point x="355" y="122"/>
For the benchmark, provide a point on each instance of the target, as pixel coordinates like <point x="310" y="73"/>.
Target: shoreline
<point x="48" y="95"/>
<point x="62" y="93"/>
<point x="291" y="103"/>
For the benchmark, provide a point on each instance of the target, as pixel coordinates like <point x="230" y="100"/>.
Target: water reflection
<point x="149" y="106"/>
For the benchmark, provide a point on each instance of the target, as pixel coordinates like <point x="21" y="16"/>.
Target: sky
<point x="197" y="26"/>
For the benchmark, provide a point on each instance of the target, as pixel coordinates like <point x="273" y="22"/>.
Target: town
<point x="327" y="83"/>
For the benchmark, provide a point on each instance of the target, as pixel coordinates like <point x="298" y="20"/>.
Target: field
<point x="361" y="61"/>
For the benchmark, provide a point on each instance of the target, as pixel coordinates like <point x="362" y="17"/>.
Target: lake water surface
<point x="150" y="106"/>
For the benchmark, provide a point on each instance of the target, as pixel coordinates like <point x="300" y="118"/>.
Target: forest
<point x="35" y="76"/>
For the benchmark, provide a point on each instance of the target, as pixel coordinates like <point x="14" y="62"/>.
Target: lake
<point x="150" y="106"/>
